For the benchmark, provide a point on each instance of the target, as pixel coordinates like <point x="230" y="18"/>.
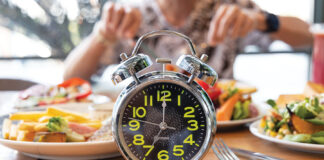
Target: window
<point x="45" y="28"/>
<point x="298" y="8"/>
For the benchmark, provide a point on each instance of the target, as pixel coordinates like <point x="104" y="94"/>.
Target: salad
<point x="52" y="125"/>
<point x="72" y="90"/>
<point x="298" y="121"/>
<point x="232" y="102"/>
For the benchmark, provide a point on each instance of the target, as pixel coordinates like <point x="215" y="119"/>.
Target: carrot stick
<point x="226" y="110"/>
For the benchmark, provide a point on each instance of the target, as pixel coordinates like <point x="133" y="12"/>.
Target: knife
<point x="252" y="155"/>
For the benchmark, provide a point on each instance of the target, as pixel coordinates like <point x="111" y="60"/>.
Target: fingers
<point x="131" y="23"/>
<point x="106" y="18"/>
<point x="229" y="20"/>
<point x="237" y="26"/>
<point x="117" y="17"/>
<point x="214" y="24"/>
<point x="135" y="24"/>
<point x="120" y="21"/>
<point x="247" y="26"/>
<point x="126" y="22"/>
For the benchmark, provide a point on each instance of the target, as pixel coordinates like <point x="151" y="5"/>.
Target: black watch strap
<point x="272" y="22"/>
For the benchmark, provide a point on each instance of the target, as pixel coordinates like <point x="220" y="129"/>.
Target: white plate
<point x="305" y="147"/>
<point x="73" y="150"/>
<point x="236" y="123"/>
<point x="97" y="99"/>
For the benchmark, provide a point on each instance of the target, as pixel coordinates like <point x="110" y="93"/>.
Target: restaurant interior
<point x="162" y="79"/>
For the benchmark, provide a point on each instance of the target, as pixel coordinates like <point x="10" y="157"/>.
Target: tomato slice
<point x="42" y="103"/>
<point x="213" y="92"/>
<point x="75" y="82"/>
<point x="203" y="84"/>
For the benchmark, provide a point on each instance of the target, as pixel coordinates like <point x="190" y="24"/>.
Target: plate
<point x="305" y="147"/>
<point x="236" y="123"/>
<point x="73" y="150"/>
<point x="97" y="99"/>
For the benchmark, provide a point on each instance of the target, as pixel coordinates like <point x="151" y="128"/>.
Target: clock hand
<point x="164" y="138"/>
<point x="156" y="138"/>
<point x="163" y="106"/>
<point x="152" y="123"/>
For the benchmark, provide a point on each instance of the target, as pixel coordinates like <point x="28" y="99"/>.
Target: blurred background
<point x="37" y="35"/>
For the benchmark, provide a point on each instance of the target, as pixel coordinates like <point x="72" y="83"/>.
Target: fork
<point x="222" y="151"/>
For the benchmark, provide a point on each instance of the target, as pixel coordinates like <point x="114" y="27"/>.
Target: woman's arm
<point x="238" y="22"/>
<point x="83" y="60"/>
<point x="117" y="22"/>
<point x="293" y="31"/>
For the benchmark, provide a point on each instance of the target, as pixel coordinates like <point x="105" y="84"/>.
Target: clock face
<point x="163" y="121"/>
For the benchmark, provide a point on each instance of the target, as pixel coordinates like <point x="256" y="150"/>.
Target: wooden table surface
<point x="238" y="138"/>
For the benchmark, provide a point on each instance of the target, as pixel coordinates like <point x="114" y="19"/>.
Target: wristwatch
<point x="272" y="22"/>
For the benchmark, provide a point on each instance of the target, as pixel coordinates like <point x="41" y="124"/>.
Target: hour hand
<point x="155" y="124"/>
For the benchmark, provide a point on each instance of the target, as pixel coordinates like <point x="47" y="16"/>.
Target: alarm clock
<point x="162" y="114"/>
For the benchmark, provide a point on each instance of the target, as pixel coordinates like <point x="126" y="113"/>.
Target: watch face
<point x="163" y="121"/>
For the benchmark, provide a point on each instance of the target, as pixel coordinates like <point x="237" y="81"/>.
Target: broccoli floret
<point x="59" y="124"/>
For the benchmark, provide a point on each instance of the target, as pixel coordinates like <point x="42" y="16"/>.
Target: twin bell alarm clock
<point x="162" y="114"/>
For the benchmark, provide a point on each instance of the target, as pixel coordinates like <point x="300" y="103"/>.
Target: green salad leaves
<point x="317" y="137"/>
<point x="310" y="110"/>
<point x="241" y="110"/>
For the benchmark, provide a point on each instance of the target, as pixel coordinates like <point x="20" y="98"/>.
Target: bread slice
<point x="289" y="98"/>
<point x="312" y="89"/>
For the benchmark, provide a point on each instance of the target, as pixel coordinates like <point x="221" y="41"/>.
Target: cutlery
<point x="252" y="155"/>
<point x="222" y="151"/>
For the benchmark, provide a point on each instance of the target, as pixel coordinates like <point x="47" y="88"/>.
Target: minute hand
<point x="163" y="107"/>
<point x="151" y="123"/>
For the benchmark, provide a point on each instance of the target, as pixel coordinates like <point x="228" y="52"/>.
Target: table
<point x="237" y="138"/>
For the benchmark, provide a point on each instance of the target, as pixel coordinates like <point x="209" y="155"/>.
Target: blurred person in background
<point x="220" y="29"/>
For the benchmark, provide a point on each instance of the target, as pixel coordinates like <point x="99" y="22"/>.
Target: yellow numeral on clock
<point x="179" y="100"/>
<point x="177" y="150"/>
<point x="145" y="100"/>
<point x="139" y="112"/>
<point x="189" y="113"/>
<point x="138" y="139"/>
<point x="165" y="95"/>
<point x="134" y="125"/>
<point x="193" y="125"/>
<point x="163" y="155"/>
<point x="150" y="149"/>
<point x="189" y="140"/>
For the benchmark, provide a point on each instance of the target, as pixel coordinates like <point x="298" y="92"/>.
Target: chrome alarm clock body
<point x="163" y="114"/>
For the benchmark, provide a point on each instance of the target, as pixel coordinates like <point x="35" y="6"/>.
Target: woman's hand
<point x="119" y="22"/>
<point x="231" y="20"/>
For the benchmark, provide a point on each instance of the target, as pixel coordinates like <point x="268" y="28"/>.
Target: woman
<point x="220" y="29"/>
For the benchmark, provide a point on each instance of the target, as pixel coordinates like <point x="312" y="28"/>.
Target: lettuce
<point x="241" y="111"/>
<point x="303" y="138"/>
<point x="307" y="109"/>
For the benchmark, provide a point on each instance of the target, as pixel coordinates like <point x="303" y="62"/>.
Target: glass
<point x="318" y="54"/>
